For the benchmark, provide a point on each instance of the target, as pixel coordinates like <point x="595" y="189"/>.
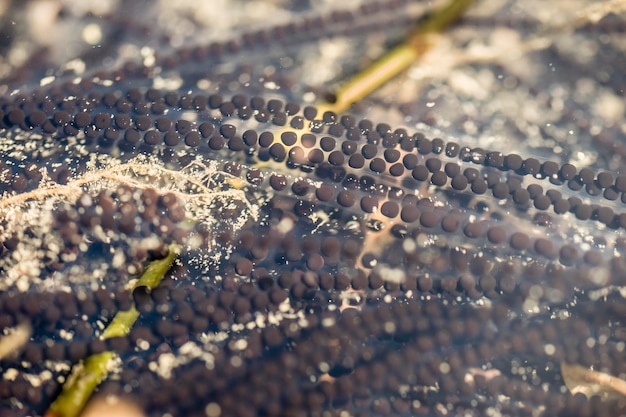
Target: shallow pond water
<point x="448" y="246"/>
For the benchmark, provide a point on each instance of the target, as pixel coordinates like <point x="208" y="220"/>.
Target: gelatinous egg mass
<point x="452" y="244"/>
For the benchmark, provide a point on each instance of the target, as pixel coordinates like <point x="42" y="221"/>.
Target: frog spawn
<point x="474" y="246"/>
<point x="332" y="249"/>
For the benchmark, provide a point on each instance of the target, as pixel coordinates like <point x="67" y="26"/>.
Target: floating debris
<point x="14" y="340"/>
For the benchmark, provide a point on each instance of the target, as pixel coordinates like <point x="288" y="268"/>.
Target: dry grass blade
<point x="14" y="340"/>
<point x="579" y="379"/>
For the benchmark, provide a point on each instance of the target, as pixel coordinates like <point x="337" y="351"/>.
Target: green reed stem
<point x="90" y="372"/>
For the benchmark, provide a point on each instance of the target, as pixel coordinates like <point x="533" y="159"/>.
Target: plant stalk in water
<point x="89" y="373"/>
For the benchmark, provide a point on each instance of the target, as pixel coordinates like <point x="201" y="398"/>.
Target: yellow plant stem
<point x="397" y="60"/>
<point x="90" y="372"/>
<point x="440" y="20"/>
<point x="367" y="81"/>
